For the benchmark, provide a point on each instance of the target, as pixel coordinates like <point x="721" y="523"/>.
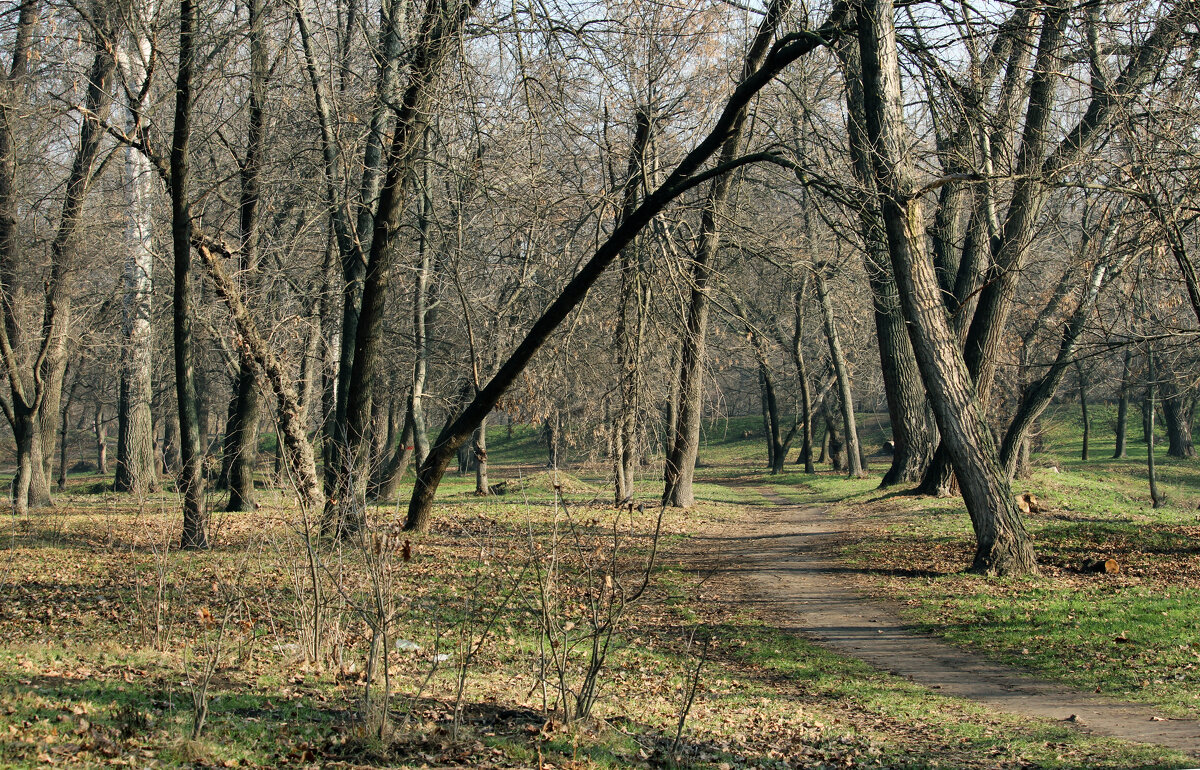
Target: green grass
<point x="1135" y="635"/>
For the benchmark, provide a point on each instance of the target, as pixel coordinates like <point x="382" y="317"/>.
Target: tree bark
<point x="479" y="450"/>
<point x="630" y="315"/>
<point x="298" y="450"/>
<point x="680" y="466"/>
<point x="1151" y="474"/>
<point x="912" y="432"/>
<point x="136" y="469"/>
<point x="1083" y="407"/>
<point x="806" y="446"/>
<point x="1002" y="544"/>
<point x="241" y="434"/>
<point x="191" y="479"/>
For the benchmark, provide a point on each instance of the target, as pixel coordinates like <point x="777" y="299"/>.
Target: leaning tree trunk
<point x="837" y="357"/>
<point x="1002" y="543"/>
<point x="686" y="175"/>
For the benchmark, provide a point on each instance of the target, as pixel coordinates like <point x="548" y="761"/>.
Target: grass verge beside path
<point x="1133" y="635"/>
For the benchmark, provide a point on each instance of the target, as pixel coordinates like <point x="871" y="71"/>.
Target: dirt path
<point x="784" y="562"/>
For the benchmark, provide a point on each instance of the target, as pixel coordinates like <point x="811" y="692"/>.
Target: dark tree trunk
<point x="191" y="480"/>
<point x="1123" y="408"/>
<point x="241" y="440"/>
<point x="1083" y="407"/>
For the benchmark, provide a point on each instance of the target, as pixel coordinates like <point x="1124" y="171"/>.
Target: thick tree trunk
<point x="191" y="480"/>
<point x="855" y="465"/>
<point x="136" y="464"/>
<point x="913" y="436"/>
<point x="1179" y="427"/>
<point x="1002" y="544"/>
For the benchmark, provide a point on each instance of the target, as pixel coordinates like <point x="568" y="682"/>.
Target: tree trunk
<point x="1002" y="544"/>
<point x="1155" y="498"/>
<point x="1123" y="408"/>
<point x="806" y="447"/>
<point x="1083" y="406"/>
<point x="62" y="435"/>
<point x="299" y="451"/>
<point x="630" y="315"/>
<point x="912" y="432"/>
<point x="1179" y="428"/>
<point x="101" y="431"/>
<point x="136" y="462"/>
<point x="191" y="480"/>
<point x="855" y="465"/>
<point x="402" y="453"/>
<point x="439" y="27"/>
<point x="550" y="432"/>
<point x="480" y="453"/>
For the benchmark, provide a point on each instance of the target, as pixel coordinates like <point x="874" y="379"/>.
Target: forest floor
<point x="107" y="636"/>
